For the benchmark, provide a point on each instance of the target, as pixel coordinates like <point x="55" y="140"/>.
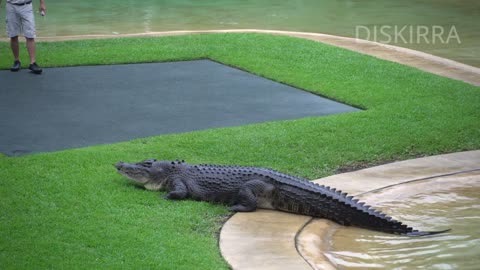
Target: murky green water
<point x="429" y="205"/>
<point x="421" y="21"/>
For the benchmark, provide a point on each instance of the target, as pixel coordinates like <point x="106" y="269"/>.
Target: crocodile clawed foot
<point x="241" y="208"/>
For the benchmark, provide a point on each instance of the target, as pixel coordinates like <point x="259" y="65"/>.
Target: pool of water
<point x="428" y="205"/>
<point x="422" y="21"/>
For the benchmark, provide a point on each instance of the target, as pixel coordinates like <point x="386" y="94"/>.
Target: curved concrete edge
<point x="403" y="171"/>
<point x="275" y="240"/>
<point x="403" y="192"/>
<point x="262" y="240"/>
<point x="423" y="61"/>
<point x="313" y="242"/>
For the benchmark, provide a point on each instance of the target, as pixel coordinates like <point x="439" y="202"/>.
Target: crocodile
<point x="245" y="189"/>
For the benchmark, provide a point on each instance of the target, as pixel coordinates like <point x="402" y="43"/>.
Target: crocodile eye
<point x="148" y="163"/>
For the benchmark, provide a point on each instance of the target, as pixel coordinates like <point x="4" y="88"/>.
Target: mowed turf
<point x="70" y="209"/>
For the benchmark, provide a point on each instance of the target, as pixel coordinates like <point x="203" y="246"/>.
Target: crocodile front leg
<point x="178" y="192"/>
<point x="248" y="195"/>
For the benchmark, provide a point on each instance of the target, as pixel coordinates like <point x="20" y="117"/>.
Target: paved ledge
<point x="275" y="240"/>
<point x="313" y="240"/>
<point x="316" y="239"/>
<point x="403" y="171"/>
<point x="262" y="240"/>
<point x="423" y="61"/>
<point x="455" y="167"/>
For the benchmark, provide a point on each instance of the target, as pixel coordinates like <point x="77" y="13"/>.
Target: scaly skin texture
<point x="247" y="188"/>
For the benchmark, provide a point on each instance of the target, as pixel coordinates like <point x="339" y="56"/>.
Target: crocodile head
<point x="151" y="174"/>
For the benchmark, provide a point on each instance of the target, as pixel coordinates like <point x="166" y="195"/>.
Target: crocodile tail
<point x="346" y="210"/>
<point x="419" y="233"/>
<point x="375" y="220"/>
<point x="301" y="196"/>
<point x="367" y="217"/>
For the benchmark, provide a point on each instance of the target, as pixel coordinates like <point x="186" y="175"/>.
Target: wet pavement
<point x="274" y="240"/>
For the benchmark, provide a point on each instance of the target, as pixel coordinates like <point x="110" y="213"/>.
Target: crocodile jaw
<point x="139" y="174"/>
<point x="154" y="186"/>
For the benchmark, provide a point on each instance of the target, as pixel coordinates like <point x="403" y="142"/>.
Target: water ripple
<point x="431" y="205"/>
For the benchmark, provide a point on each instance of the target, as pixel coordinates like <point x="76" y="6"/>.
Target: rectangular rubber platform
<point x="87" y="105"/>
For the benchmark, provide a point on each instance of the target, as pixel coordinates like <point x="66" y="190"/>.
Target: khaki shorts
<point x="20" y="18"/>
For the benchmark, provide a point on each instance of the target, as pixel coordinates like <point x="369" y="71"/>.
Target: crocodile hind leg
<point x="248" y="195"/>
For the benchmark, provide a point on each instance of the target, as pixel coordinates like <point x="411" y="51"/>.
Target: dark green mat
<point x="81" y="106"/>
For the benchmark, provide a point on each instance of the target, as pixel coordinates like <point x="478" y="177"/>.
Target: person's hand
<point x="43" y="8"/>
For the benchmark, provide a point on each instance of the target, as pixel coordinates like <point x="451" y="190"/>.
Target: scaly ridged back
<point x="301" y="196"/>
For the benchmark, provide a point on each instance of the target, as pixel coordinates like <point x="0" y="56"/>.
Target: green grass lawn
<point x="71" y="210"/>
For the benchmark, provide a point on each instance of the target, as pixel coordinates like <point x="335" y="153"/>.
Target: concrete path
<point x="274" y="240"/>
<point x="423" y="61"/>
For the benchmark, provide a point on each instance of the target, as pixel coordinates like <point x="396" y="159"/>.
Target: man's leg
<point x="31" y="49"/>
<point x="13" y="29"/>
<point x="15" y="47"/>
<point x="16" y="53"/>
<point x="28" y="22"/>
